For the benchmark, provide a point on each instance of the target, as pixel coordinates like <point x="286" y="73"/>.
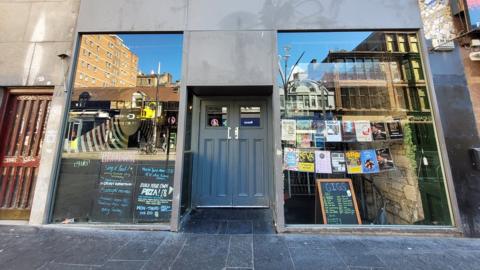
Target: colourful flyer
<point x="348" y="131"/>
<point x="333" y="131"/>
<point x="305" y="126"/>
<point x="304" y="140"/>
<point x="369" y="161"/>
<point x="354" y="163"/>
<point x="306" y="161"/>
<point x="385" y="160"/>
<point x="290" y="159"/>
<point x="379" y="131"/>
<point x="395" y="130"/>
<point x="323" y="162"/>
<point x="363" y="131"/>
<point x="338" y="162"/>
<point x="289" y="130"/>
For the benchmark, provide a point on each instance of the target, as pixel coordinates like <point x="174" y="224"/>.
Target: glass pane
<point x="250" y="116"/>
<point x="217" y="116"/>
<point x="366" y="152"/>
<point x="118" y="160"/>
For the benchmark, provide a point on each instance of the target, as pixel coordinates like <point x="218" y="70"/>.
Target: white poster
<point x="289" y="130"/>
<point x="363" y="130"/>
<point x="323" y="162"/>
<point x="333" y="131"/>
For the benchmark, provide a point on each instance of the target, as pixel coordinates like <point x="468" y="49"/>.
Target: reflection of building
<point x="382" y="78"/>
<point x="382" y="73"/>
<point x="102" y="118"/>
<point x="152" y="80"/>
<point x="105" y="61"/>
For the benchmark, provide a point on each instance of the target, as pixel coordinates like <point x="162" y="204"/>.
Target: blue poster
<point x="369" y="161"/>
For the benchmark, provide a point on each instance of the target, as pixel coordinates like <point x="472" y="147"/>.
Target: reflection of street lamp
<point x="284" y="76"/>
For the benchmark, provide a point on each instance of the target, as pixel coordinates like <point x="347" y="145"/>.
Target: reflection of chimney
<point x="313" y="61"/>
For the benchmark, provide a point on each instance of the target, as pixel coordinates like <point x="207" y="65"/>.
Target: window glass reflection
<point x="356" y="104"/>
<point x="120" y="142"/>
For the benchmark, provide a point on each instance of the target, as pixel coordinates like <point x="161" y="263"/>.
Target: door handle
<point x="228" y="133"/>
<point x="237" y="131"/>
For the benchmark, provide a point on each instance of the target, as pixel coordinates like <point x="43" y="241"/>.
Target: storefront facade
<point x="319" y="111"/>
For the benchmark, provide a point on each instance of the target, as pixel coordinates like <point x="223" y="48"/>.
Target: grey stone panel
<point x="132" y="15"/>
<point x="46" y="67"/>
<point x="230" y="58"/>
<point x="174" y="15"/>
<point x="13" y="20"/>
<point x="301" y="14"/>
<point x="15" y="62"/>
<point x="52" y="21"/>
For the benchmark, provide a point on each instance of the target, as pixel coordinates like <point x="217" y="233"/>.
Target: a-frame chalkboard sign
<point x="338" y="202"/>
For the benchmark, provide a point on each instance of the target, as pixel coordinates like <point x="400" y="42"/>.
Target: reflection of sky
<point x="316" y="45"/>
<point x="474" y="11"/>
<point x="154" y="48"/>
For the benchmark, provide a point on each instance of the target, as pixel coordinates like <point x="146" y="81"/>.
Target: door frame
<point x="8" y="95"/>
<point x="196" y="120"/>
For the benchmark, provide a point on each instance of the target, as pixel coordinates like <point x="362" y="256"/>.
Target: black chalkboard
<point x="113" y="201"/>
<point x="338" y="202"/>
<point x="153" y="193"/>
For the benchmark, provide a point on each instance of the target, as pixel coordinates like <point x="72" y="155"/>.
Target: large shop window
<point x="119" y="148"/>
<point x="358" y="139"/>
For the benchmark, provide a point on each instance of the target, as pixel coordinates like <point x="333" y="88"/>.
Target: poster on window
<point x="290" y="159"/>
<point x="354" y="163"/>
<point x="305" y="126"/>
<point x="323" y="163"/>
<point x="369" y="161"/>
<point x="333" y="131"/>
<point x="289" y="130"/>
<point x="348" y="131"/>
<point x="306" y="161"/>
<point x="304" y="140"/>
<point x="338" y="162"/>
<point x="319" y="136"/>
<point x="385" y="160"/>
<point x="395" y="130"/>
<point x="379" y="131"/>
<point x="363" y="131"/>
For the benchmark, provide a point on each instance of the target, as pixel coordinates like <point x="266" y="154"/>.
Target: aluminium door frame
<point x="197" y="101"/>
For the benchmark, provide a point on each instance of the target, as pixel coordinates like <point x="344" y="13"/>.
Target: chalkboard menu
<point x="154" y="192"/>
<point x="337" y="201"/>
<point x="113" y="202"/>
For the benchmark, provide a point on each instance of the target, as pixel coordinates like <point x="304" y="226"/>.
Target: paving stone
<point x="91" y="252"/>
<point x="33" y="252"/>
<point x="308" y="241"/>
<point x="137" y="250"/>
<point x="271" y="252"/>
<point x="239" y="227"/>
<point x="60" y="266"/>
<point x="314" y="259"/>
<point x="263" y="227"/>
<point x="166" y="253"/>
<point x="402" y="261"/>
<point x="206" y="227"/>
<point x="122" y="265"/>
<point x="355" y="253"/>
<point x="203" y="252"/>
<point x="240" y="253"/>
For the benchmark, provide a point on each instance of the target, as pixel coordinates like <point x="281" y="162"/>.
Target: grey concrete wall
<point x="203" y="15"/>
<point x="230" y="58"/>
<point x="33" y="33"/>
<point x="458" y="121"/>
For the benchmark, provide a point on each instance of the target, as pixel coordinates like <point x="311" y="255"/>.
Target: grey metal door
<point x="231" y="165"/>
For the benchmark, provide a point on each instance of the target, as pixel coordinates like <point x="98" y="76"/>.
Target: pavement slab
<point x="230" y="247"/>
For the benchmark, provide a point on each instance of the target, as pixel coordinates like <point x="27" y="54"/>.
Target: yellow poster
<point x="306" y="161"/>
